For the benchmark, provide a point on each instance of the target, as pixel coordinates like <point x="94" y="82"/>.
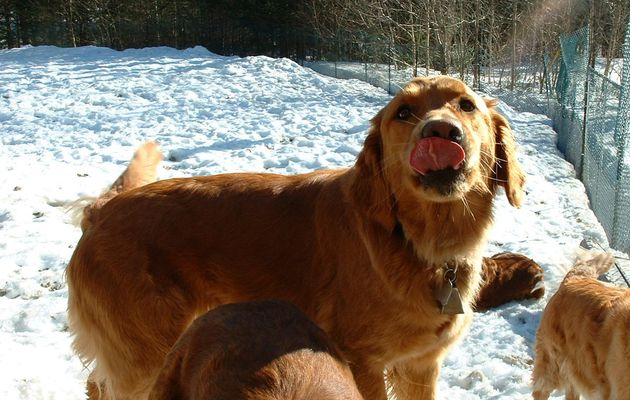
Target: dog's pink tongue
<point x="435" y="154"/>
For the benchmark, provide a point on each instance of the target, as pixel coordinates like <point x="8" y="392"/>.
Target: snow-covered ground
<point x="71" y="118"/>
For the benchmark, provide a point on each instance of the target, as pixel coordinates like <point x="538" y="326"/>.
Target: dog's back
<point x="265" y="350"/>
<point x="583" y="342"/>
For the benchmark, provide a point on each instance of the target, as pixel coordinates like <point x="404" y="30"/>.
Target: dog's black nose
<point x="444" y="129"/>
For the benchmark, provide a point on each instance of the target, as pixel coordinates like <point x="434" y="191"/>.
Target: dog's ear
<point x="508" y="172"/>
<point x="369" y="189"/>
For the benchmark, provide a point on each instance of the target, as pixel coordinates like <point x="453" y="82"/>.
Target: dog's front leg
<point x="369" y="380"/>
<point x="415" y="379"/>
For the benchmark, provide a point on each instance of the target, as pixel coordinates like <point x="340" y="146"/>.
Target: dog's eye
<point x="403" y="112"/>
<point x="466" y="105"/>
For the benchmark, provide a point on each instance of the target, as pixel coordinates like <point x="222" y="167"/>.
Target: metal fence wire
<point x="568" y="112"/>
<point x="591" y="114"/>
<point x="391" y="66"/>
<point x="621" y="226"/>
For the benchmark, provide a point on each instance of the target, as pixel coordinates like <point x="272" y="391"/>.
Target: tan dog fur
<point x="583" y="342"/>
<point x="361" y="251"/>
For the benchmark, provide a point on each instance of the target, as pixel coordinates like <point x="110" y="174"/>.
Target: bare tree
<point x="452" y="36"/>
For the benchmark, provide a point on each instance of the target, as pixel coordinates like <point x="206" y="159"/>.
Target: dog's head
<point x="439" y="141"/>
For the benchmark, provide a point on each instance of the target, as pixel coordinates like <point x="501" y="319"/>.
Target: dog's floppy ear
<point x="369" y="189"/>
<point x="508" y="172"/>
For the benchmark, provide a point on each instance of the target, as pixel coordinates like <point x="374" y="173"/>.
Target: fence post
<point x="584" y="122"/>
<point x="547" y="80"/>
<point x="621" y="222"/>
<point x="389" y="69"/>
<point x="573" y="75"/>
<point x="338" y="52"/>
<point x="586" y="70"/>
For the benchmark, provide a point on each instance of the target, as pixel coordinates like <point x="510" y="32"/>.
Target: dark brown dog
<point x="371" y="253"/>
<point x="508" y="277"/>
<point x="266" y="350"/>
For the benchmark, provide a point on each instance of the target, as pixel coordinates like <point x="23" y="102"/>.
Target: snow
<point x="615" y="68"/>
<point x="71" y="118"/>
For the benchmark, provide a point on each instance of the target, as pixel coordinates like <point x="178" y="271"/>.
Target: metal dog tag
<point x="448" y="295"/>
<point x="443" y="294"/>
<point x="454" y="304"/>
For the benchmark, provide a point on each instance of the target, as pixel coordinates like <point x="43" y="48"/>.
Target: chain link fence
<point x="391" y="66"/>
<point x="591" y="114"/>
<point x="568" y="110"/>
<point x="621" y="226"/>
<point x="380" y="65"/>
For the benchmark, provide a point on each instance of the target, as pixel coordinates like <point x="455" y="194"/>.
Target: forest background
<point x="449" y="36"/>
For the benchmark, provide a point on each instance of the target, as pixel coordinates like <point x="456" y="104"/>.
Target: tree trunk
<point x="513" y="75"/>
<point x="428" y="44"/>
<point x="477" y="66"/>
<point x="8" y="25"/>
<point x="70" y="22"/>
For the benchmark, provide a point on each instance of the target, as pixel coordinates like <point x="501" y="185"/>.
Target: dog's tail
<point x="142" y="170"/>
<point x="589" y="265"/>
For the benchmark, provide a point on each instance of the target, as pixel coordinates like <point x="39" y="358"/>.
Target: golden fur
<point x="583" y="342"/>
<point x="263" y="350"/>
<point x="361" y="251"/>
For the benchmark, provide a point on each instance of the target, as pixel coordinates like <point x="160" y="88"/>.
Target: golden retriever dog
<point x="507" y="277"/>
<point x="583" y="341"/>
<point x="262" y="350"/>
<point x="384" y="256"/>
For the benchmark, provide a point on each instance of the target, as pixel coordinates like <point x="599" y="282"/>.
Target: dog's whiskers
<point x="416" y="117"/>
<point x="467" y="208"/>
<point x="490" y="155"/>
<point x="494" y="179"/>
